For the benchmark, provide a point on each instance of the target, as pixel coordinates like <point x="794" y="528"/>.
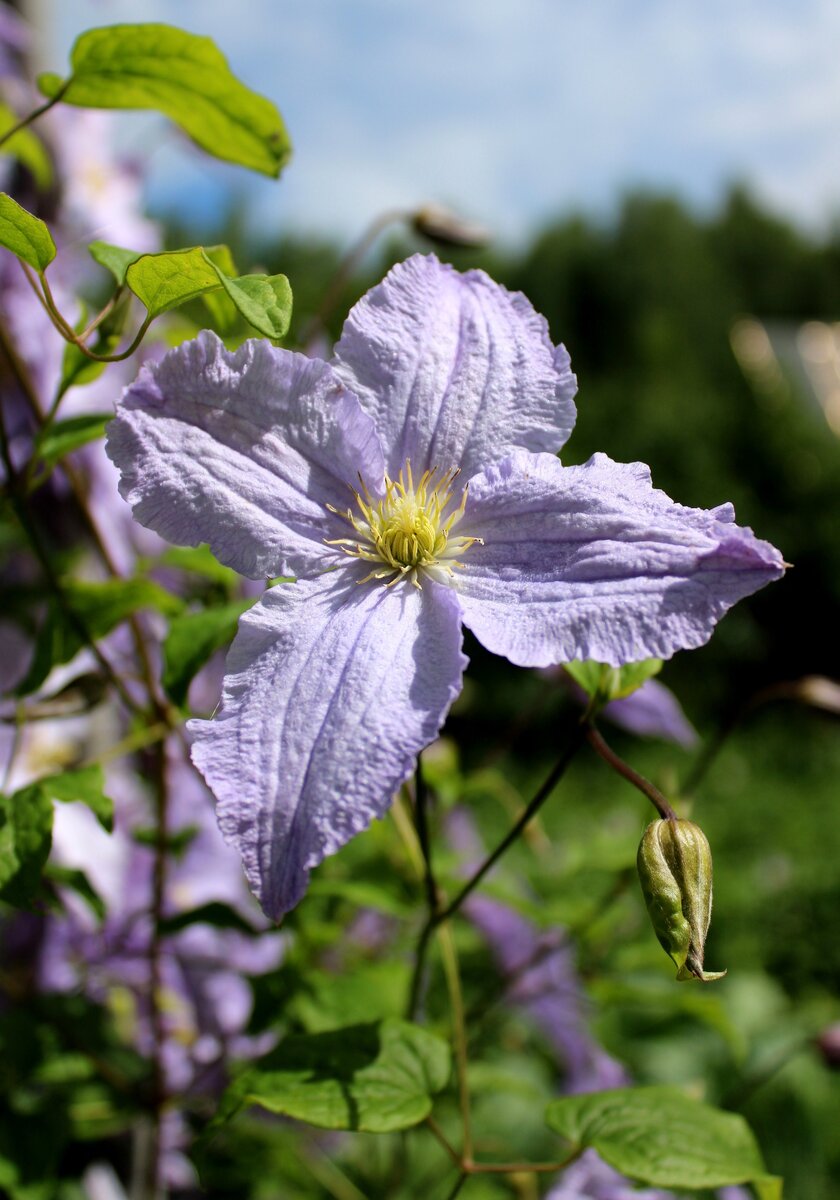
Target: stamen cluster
<point x="408" y="530"/>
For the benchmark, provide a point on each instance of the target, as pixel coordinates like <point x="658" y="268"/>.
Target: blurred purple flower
<point x="207" y="1002"/>
<point x="590" y="1178"/>
<point x="539" y="970"/>
<point x="14" y="41"/>
<point x="653" y="711"/>
<point x="542" y="980"/>
<point x="102" y="189"/>
<point x="335" y="684"/>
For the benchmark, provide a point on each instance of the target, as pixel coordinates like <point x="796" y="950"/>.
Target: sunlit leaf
<point x="165" y="281"/>
<point x="377" y="1078"/>
<point x="265" y="301"/>
<point x="25" y="235"/>
<point x="115" y="259"/>
<point x="603" y="683"/>
<point x="221" y="308"/>
<point x="184" y="76"/>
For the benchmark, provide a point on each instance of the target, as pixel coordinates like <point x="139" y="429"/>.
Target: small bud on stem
<point x="675" y="870"/>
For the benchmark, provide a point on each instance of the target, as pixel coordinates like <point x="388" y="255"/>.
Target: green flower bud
<point x="675" y="869"/>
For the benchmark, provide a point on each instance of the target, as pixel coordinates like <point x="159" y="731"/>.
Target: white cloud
<point x="512" y="108"/>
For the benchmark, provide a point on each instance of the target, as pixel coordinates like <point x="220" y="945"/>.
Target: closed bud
<point x="675" y="869"/>
<point x="445" y="227"/>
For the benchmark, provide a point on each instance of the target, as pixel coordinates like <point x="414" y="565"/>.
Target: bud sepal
<point x="675" y="870"/>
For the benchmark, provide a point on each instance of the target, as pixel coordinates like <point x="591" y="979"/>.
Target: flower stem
<point x="444" y="1140"/>
<point x="45" y="296"/>
<point x="33" y="116"/>
<point x="627" y="772"/>
<point x="449" y="955"/>
<point x="555" y="775"/>
<point x="459" y="1183"/>
<point x="156" y="1013"/>
<point x="421" y="820"/>
<point x="438" y="915"/>
<point x="317" y="323"/>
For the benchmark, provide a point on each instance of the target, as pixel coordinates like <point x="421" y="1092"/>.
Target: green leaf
<point x="27" y="148"/>
<point x="25" y="235"/>
<point x="221" y="308"/>
<point x="364" y="992"/>
<point x="197" y="559"/>
<point x="76" y="368"/>
<point x="214" y="913"/>
<point x="25" y="839"/>
<point x="632" y="675"/>
<point x="364" y="893"/>
<point x="265" y="301"/>
<point x="191" y="640"/>
<point x="77" y="880"/>
<point x="99" y="607"/>
<point x="183" y="76"/>
<point x="176" y="842"/>
<point x="103" y="605"/>
<point x="376" y="1078"/>
<point x="86" y="784"/>
<point x="603" y="683"/>
<point x="63" y="436"/>
<point x="165" y="281"/>
<point x="660" y="1136"/>
<point x="115" y="259"/>
<point x="26" y="826"/>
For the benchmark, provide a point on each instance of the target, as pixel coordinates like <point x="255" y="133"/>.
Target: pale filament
<point x="409" y="530"/>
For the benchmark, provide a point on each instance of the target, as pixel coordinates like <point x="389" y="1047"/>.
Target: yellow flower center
<point x="409" y="530"/>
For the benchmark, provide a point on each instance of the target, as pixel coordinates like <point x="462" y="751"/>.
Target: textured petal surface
<point x="455" y="370"/>
<point x="332" y="689"/>
<point x="592" y="562"/>
<point x="243" y="450"/>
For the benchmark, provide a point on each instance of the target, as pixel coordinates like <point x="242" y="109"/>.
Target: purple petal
<point x="243" y="450"/>
<point x="455" y="370"/>
<point x="543" y="981"/>
<point x="332" y="690"/>
<point x="653" y="711"/>
<point x="592" y="562"/>
<point x="590" y="1178"/>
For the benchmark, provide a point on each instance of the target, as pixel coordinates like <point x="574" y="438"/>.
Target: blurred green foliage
<point x="646" y="303"/>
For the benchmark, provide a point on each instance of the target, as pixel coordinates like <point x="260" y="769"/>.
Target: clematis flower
<point x="410" y="486"/>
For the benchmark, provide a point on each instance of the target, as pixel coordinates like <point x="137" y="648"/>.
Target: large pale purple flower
<point x="410" y="486"/>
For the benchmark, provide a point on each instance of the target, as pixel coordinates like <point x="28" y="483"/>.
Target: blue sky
<point x="509" y="110"/>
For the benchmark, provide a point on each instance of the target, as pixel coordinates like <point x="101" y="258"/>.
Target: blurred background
<point x="663" y="182"/>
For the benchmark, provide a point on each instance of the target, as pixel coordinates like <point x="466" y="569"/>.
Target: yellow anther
<point x="409" y="529"/>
